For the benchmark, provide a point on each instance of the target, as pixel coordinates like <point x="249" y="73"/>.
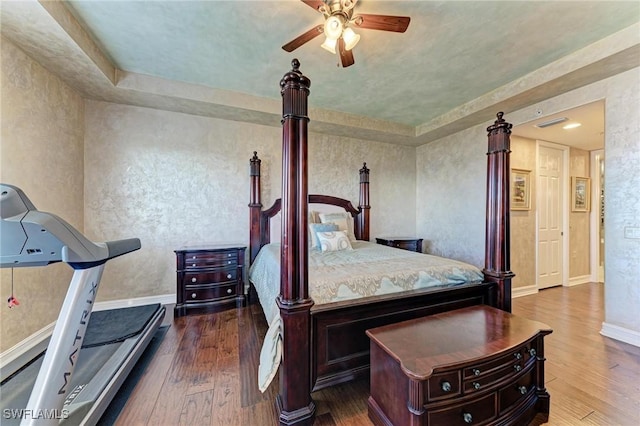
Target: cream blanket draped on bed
<point x="368" y="270"/>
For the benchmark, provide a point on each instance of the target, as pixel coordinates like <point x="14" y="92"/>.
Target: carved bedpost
<point x="497" y="263"/>
<point x="255" y="207"/>
<point x="294" y="403"/>
<point x="364" y="207"/>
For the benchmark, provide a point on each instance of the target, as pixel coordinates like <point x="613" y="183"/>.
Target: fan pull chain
<point x="12" y="300"/>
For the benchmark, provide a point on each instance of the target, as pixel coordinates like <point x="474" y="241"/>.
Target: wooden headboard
<point x="260" y="220"/>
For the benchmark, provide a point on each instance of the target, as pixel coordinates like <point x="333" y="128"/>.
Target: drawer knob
<point x="532" y="352"/>
<point x="476" y="372"/>
<point x="229" y="291"/>
<point x="229" y="263"/>
<point x="193" y="295"/>
<point x="229" y="255"/>
<point x="518" y="355"/>
<point x="476" y="385"/>
<point x="517" y="367"/>
<point x="229" y="276"/>
<point x="522" y="389"/>
<point x="193" y="265"/>
<point x="467" y="417"/>
<point x="194" y="279"/>
<point x="193" y="257"/>
<point x="445" y="386"/>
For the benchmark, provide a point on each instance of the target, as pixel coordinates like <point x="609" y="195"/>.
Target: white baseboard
<point x="524" y="291"/>
<point x="622" y="334"/>
<point x="583" y="279"/>
<point x="163" y="299"/>
<point x="16" y="356"/>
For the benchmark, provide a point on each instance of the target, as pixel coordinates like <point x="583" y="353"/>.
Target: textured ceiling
<point x="455" y="66"/>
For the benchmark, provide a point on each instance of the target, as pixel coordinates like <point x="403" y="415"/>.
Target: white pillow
<point x="314" y="228"/>
<point x="333" y="241"/>
<point x="344" y="221"/>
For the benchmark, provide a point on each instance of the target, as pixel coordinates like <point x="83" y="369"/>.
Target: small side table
<point x="209" y="278"/>
<point x="405" y="243"/>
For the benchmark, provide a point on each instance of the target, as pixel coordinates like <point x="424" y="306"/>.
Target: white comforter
<point x="367" y="270"/>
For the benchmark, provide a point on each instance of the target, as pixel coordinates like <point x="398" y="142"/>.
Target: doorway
<point x="551" y="199"/>
<point x="597" y="216"/>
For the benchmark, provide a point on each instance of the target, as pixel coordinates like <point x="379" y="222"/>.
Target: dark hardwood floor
<point x="205" y="371"/>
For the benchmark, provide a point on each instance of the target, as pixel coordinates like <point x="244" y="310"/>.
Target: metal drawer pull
<point x="476" y="372"/>
<point x="467" y="417"/>
<point x="229" y="276"/>
<point x="476" y="385"/>
<point x="229" y="263"/>
<point x="532" y="352"/>
<point x="193" y="257"/>
<point x="229" y="255"/>
<point x="193" y="265"/>
<point x="229" y="291"/>
<point x="193" y="295"/>
<point x="517" y="367"/>
<point x="522" y="389"/>
<point x="193" y="280"/>
<point x="445" y="386"/>
<point x="518" y="355"/>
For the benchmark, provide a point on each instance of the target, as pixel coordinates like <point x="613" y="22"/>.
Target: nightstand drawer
<point x="476" y="412"/>
<point x="510" y="394"/>
<point x="219" y="276"/>
<point x="443" y="385"/>
<point x="199" y="260"/>
<point x="205" y="294"/>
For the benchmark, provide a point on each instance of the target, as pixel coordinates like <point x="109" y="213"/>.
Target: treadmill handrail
<point x="34" y="238"/>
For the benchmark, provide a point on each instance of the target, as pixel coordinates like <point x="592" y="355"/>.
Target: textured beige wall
<point x="523" y="222"/>
<point x="451" y="203"/>
<point x="41" y="152"/>
<point x="172" y="179"/>
<point x="456" y="165"/>
<point x="579" y="226"/>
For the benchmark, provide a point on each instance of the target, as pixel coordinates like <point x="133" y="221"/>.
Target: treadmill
<point x="88" y="356"/>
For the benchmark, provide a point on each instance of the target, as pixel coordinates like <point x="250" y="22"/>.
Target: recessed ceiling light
<point x="551" y="122"/>
<point x="571" y="126"/>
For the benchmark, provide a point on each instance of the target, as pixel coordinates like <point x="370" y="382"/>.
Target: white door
<point x="549" y="209"/>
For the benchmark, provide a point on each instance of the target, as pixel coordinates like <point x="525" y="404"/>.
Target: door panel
<point x="550" y="236"/>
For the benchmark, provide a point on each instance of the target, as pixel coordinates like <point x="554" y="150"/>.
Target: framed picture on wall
<point x="580" y="194"/>
<point x="520" y="189"/>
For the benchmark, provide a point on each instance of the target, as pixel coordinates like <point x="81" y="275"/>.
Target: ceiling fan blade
<point x="302" y="39"/>
<point x="316" y="4"/>
<point x="346" y="56"/>
<point x="397" y="24"/>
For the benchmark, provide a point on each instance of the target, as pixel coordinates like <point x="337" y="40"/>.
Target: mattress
<point x="368" y="270"/>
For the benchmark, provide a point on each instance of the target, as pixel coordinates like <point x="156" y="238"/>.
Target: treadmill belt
<point x="116" y="325"/>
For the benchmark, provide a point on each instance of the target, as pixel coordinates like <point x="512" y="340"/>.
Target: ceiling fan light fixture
<point x="329" y="45"/>
<point x="333" y="27"/>
<point x="350" y="38"/>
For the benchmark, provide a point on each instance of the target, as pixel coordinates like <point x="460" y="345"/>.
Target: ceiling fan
<point x="338" y="27"/>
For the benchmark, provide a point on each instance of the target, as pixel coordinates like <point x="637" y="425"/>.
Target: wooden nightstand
<point x="405" y="243"/>
<point x="210" y="278"/>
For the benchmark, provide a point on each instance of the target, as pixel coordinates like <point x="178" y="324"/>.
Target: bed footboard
<point x="340" y="347"/>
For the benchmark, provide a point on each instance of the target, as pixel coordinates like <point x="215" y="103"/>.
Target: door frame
<point x="597" y="158"/>
<point x="565" y="211"/>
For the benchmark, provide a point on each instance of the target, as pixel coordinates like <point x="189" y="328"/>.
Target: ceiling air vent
<point x="551" y="122"/>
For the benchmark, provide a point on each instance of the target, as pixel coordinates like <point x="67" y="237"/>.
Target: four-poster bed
<point x="326" y="344"/>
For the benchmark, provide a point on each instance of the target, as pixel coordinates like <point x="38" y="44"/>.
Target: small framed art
<point x="520" y="189"/>
<point x="580" y="194"/>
